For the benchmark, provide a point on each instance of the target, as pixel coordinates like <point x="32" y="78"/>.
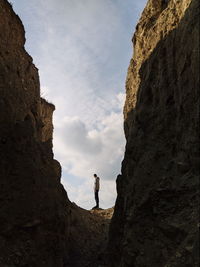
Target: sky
<point x="82" y="49"/>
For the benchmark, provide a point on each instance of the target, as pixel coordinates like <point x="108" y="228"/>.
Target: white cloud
<point x="75" y="136"/>
<point x="83" y="152"/>
<point x="82" y="50"/>
<point x="83" y="194"/>
<point x="87" y="151"/>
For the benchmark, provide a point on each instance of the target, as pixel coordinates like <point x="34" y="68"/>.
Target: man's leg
<point x="97" y="198"/>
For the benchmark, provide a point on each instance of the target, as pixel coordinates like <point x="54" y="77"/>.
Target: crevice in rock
<point x="155" y="221"/>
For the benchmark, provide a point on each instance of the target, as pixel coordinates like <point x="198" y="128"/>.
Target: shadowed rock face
<point x="155" y="221"/>
<point x="39" y="226"/>
<point x="34" y="219"/>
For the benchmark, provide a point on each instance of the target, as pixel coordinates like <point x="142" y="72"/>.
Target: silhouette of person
<point x="96" y="190"/>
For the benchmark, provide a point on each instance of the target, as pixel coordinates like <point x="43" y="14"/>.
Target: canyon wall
<point x="34" y="207"/>
<point x="155" y="221"/>
<point x="39" y="226"/>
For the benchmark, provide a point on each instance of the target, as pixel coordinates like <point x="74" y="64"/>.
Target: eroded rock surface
<point x="34" y="207"/>
<point x="156" y="216"/>
<point x="155" y="222"/>
<point x="39" y="226"/>
<point x="89" y="237"/>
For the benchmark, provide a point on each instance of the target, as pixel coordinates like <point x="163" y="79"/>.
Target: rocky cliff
<point x="155" y="221"/>
<point x="34" y="208"/>
<point x="39" y="226"/>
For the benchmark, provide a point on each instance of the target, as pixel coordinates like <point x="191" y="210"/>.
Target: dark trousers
<point x="96" y="195"/>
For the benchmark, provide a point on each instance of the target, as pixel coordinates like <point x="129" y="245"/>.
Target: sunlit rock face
<point x="155" y="222"/>
<point x="34" y="219"/>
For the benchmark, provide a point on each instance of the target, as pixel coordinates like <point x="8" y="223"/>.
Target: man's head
<point x="95" y="175"/>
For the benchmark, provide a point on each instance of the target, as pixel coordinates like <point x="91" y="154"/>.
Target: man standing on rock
<point x="96" y="190"/>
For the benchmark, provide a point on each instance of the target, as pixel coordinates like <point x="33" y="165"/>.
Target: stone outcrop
<point x="88" y="237"/>
<point x="34" y="207"/>
<point x="155" y="221"/>
<point x="39" y="226"/>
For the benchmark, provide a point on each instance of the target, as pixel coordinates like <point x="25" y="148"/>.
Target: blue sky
<point x="82" y="49"/>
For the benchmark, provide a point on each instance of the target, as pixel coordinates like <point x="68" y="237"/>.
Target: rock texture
<point x="88" y="237"/>
<point x="155" y="222"/>
<point x="34" y="208"/>
<point x="39" y="226"/>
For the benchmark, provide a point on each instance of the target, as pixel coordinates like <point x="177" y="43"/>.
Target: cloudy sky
<point x="82" y="49"/>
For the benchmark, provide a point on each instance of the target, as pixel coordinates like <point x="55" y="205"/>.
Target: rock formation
<point x="34" y="207"/>
<point x="155" y="222"/>
<point x="39" y="226"/>
<point x="88" y="237"/>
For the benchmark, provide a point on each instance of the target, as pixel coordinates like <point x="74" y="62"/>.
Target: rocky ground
<point x="88" y="237"/>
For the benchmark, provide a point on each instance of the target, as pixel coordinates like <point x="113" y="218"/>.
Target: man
<point x="96" y="190"/>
